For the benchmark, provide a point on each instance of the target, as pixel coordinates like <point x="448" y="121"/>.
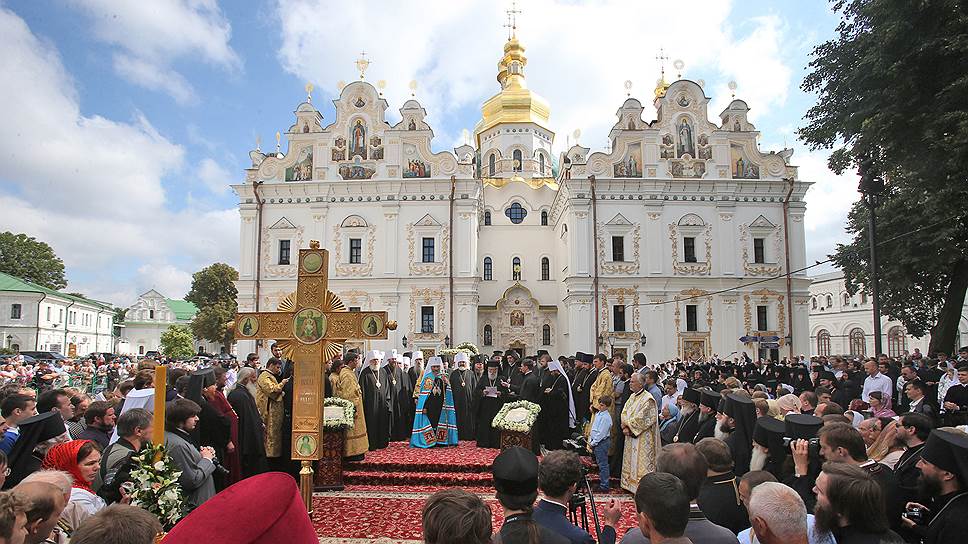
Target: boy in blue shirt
<point x="600" y="439"/>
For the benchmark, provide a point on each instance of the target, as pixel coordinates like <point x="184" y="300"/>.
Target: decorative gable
<point x="619" y="220"/>
<point x="427" y="221"/>
<point x="282" y="224"/>
<point x="762" y="223"/>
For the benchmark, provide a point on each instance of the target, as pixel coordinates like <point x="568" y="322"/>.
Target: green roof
<point x="13" y="283"/>
<point x="184" y="310"/>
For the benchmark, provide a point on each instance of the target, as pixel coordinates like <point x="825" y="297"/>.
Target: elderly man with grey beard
<point x="251" y="446"/>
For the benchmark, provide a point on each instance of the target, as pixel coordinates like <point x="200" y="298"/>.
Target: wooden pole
<point x="158" y="430"/>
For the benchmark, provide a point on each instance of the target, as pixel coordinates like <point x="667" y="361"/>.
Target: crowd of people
<point x="829" y="449"/>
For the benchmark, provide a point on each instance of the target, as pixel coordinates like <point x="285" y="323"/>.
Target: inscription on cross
<point x="312" y="327"/>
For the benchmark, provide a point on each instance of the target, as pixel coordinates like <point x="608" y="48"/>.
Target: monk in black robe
<point x="463" y="383"/>
<point x="251" y="446"/>
<point x="401" y="398"/>
<point x="376" y="402"/>
<point x="489" y="396"/>
<point x="557" y="412"/>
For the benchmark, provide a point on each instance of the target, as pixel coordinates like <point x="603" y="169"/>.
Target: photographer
<point x="134" y="428"/>
<point x="800" y="435"/>
<point x="559" y="475"/>
<point x="197" y="466"/>
<point x="944" y="480"/>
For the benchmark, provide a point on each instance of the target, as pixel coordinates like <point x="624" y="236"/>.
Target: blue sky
<point x="125" y="121"/>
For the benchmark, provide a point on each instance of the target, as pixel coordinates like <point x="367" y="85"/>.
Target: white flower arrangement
<point x="338" y="414"/>
<point x="464" y="347"/>
<point x="155" y="477"/>
<point x="518" y="416"/>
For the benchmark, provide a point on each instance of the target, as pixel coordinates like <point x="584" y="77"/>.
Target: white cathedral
<point x="648" y="247"/>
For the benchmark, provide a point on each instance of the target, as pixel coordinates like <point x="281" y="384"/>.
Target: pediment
<point x="762" y="223"/>
<point x="282" y="224"/>
<point x="427" y="221"/>
<point x="691" y="220"/>
<point x="619" y="220"/>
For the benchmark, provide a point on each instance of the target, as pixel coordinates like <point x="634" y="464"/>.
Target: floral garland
<point x="342" y="422"/>
<point x="156" y="485"/>
<point x="516" y="424"/>
<point x="464" y="347"/>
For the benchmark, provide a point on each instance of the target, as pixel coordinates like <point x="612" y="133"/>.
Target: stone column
<point x="725" y="234"/>
<point x="655" y="253"/>
<point x="390" y="238"/>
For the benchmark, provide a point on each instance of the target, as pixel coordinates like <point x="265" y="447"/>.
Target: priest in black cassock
<point x="251" y="446"/>
<point x="708" y="404"/>
<point x="688" y="424"/>
<point x="463" y="382"/>
<point x="376" y="401"/>
<point x="489" y="396"/>
<point x="557" y="416"/>
<point x="401" y="398"/>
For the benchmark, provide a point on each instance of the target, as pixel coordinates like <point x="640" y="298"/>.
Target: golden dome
<point x="515" y="103"/>
<point x="661" y="86"/>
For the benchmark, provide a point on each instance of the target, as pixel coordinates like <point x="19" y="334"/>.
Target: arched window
<point x="858" y="343"/>
<point x="544" y="218"/>
<point x="516" y="213"/>
<point x="896" y="342"/>
<point x="823" y="342"/>
<point x="516" y="158"/>
<point x="545" y="269"/>
<point x="516" y="269"/>
<point x="546" y="335"/>
<point x="488" y="335"/>
<point x="830" y="301"/>
<point x="541" y="163"/>
<point x="814" y="303"/>
<point x="846" y="299"/>
<point x="488" y="269"/>
<point x="491" y="168"/>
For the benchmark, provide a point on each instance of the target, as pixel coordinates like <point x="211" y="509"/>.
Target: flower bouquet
<point x="155" y="478"/>
<point x="518" y="416"/>
<point x="338" y="414"/>
<point x="464" y="347"/>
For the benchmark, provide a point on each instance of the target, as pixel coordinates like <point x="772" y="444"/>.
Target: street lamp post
<point x="870" y="187"/>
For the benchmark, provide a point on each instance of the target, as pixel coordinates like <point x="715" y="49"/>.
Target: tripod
<point x="578" y="503"/>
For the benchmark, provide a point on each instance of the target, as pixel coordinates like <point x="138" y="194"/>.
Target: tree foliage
<point x="211" y="323"/>
<point x="213" y="285"/>
<point x="177" y="342"/>
<point x="892" y="88"/>
<point x="213" y="291"/>
<point x="32" y="260"/>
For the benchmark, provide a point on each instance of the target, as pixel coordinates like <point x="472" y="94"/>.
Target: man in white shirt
<point x="876" y="381"/>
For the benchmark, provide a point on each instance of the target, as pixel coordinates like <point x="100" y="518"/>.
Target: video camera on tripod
<point x="583" y="495"/>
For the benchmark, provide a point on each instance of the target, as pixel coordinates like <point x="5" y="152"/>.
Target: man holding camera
<point x="559" y="475"/>
<point x="944" y="475"/>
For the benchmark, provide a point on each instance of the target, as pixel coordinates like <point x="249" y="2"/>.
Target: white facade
<point x="841" y="324"/>
<point x="34" y="318"/>
<point x="150" y="316"/>
<point x="682" y="211"/>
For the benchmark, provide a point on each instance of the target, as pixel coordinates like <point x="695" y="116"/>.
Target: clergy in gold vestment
<point x="601" y="387"/>
<point x="268" y="399"/>
<point x="345" y="386"/>
<point x="640" y="425"/>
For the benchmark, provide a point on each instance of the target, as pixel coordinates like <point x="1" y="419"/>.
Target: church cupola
<point x="513" y="136"/>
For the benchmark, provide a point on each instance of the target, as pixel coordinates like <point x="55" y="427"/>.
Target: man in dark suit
<point x="918" y="403"/>
<point x="558" y="476"/>
<point x="530" y="383"/>
<point x="719" y="494"/>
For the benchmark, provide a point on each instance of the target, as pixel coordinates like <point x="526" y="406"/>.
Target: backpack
<point x="111" y="481"/>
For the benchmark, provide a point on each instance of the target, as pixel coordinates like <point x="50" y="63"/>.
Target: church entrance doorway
<point x="518" y="347"/>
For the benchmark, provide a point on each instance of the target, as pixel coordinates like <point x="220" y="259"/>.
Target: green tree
<point x="29" y="259"/>
<point x="119" y="315"/>
<point x="211" y="323"/>
<point x="213" y="284"/>
<point x="177" y="342"/>
<point x="891" y="97"/>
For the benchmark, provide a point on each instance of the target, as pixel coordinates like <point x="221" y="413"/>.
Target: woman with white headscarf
<point x="557" y="416"/>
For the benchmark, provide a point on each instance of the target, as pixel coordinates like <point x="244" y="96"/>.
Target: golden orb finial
<point x="309" y="92"/>
<point x="314" y="244"/>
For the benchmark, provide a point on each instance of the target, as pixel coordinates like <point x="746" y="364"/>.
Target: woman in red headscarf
<point x="81" y="459"/>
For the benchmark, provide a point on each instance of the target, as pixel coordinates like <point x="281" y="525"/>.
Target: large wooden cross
<point x="312" y="327"/>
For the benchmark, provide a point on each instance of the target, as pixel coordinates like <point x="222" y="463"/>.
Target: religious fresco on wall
<point x="631" y="165"/>
<point x="705" y="150"/>
<point x="339" y="149"/>
<point x="358" y="140"/>
<point x="376" y="148"/>
<point x="302" y="170"/>
<point x="667" y="149"/>
<point x="687" y="142"/>
<point x="416" y="168"/>
<point x="412" y="125"/>
<point x="517" y="318"/>
<point x="356" y="171"/>
<point x="742" y="167"/>
<point x="688" y="169"/>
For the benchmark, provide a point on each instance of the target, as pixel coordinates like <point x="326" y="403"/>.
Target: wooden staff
<point x="158" y="430"/>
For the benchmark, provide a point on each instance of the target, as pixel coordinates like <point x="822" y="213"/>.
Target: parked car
<point x="151" y="354"/>
<point x="44" y="355"/>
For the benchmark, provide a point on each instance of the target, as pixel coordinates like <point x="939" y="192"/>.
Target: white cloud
<point x="92" y="187"/>
<point x="452" y="50"/>
<point x="152" y="37"/>
<point x="828" y="202"/>
<point x="214" y="176"/>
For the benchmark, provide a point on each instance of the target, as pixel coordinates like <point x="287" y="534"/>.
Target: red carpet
<point x="386" y="491"/>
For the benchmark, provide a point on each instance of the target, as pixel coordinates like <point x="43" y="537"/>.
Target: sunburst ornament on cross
<point x="362" y="64"/>
<point x="310" y="328"/>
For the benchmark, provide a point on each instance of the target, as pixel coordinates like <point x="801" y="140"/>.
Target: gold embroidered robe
<point x="268" y="399"/>
<point x="640" y="415"/>
<point x="345" y="386"/>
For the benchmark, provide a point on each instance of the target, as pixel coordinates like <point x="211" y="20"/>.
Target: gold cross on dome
<point x="512" y="23"/>
<point x="362" y="64"/>
<point x="662" y="57"/>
